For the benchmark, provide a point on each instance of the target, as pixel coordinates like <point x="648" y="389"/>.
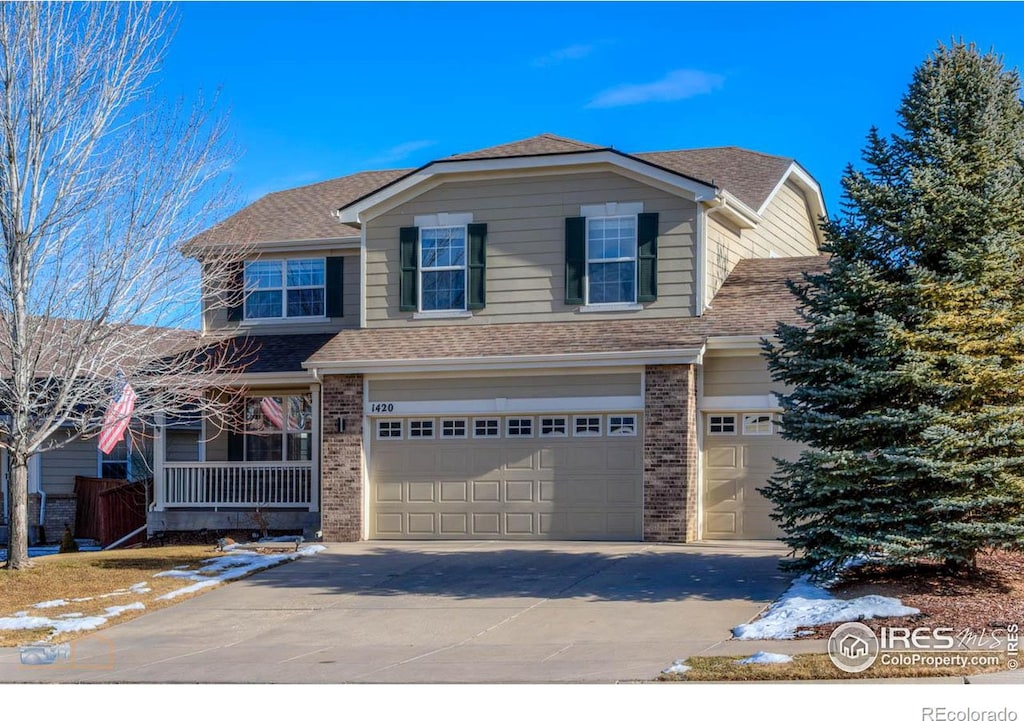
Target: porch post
<point x="159" y="457"/>
<point x="314" y="473"/>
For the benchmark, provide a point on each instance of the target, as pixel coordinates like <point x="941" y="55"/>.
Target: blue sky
<point x="318" y="90"/>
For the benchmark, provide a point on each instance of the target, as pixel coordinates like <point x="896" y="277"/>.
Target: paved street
<point x="443" y="612"/>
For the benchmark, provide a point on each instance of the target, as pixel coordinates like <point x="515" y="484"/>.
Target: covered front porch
<point x="257" y="472"/>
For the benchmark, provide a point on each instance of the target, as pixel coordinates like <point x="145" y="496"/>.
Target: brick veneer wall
<point x="670" y="454"/>
<point x="341" y="461"/>
<point x="60" y="510"/>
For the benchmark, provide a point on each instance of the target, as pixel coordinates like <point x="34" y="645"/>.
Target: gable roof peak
<point x="543" y="144"/>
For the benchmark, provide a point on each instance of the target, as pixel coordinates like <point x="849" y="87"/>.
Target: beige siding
<point x="216" y="319"/>
<point x="787" y="226"/>
<point x="182" y="446"/>
<point x="564" y="386"/>
<point x="60" y="466"/>
<point x="526" y="245"/>
<point x="737" y="375"/>
<point x="726" y="247"/>
<point x="787" y="229"/>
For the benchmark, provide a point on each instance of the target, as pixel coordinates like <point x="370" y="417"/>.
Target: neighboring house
<point x="543" y="339"/>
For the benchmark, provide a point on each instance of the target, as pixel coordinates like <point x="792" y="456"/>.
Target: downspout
<point x="35" y="476"/>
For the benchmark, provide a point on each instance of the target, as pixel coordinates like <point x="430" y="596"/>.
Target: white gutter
<point x="121" y="540"/>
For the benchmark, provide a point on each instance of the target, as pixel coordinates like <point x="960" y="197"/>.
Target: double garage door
<point x="739" y="453"/>
<point x="523" y="476"/>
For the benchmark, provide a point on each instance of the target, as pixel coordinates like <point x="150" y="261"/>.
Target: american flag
<point x="273" y="411"/>
<point x="118" y="414"/>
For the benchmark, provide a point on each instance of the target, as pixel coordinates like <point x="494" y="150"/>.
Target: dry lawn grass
<point x="93" y="574"/>
<point x="804" y="667"/>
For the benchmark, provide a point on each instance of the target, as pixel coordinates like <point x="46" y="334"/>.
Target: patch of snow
<point x="678" y="666"/>
<point x="51" y="604"/>
<point x="808" y="604"/>
<point x="84" y="545"/>
<point x="118" y="592"/>
<point x="765" y="657"/>
<point x="66" y="623"/>
<point x="83" y="599"/>
<point x="76" y="614"/>
<point x="229" y="567"/>
<point x="141" y="587"/>
<point x="184" y="565"/>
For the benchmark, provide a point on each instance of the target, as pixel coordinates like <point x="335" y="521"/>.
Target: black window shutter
<point x="575" y="259"/>
<point x="236" y="291"/>
<point x="335" y="286"/>
<point x="477" y="292"/>
<point x="236" y="450"/>
<point x="408" y="240"/>
<point x="647" y="257"/>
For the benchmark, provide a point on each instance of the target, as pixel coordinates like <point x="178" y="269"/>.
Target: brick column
<point x="670" y="454"/>
<point x="341" y="460"/>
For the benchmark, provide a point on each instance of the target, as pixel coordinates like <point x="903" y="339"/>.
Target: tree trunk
<point x="17" y="542"/>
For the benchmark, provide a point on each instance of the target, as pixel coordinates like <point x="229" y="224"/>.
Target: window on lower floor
<point x="519" y="427"/>
<point x="116" y="463"/>
<point x="421" y="429"/>
<point x="586" y="426"/>
<point x="453" y="427"/>
<point x="722" y="425"/>
<point x="621" y="425"/>
<point x="486" y="428"/>
<point x="389" y="430"/>
<point x="279" y="428"/>
<point x="553" y="427"/>
<point x="758" y="424"/>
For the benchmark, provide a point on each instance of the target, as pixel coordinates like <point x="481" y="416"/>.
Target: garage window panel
<point x="622" y="425"/>
<point x="554" y="427"/>
<point x="389" y="430"/>
<point x="586" y="426"/>
<point x="453" y="428"/>
<point x="722" y="425"/>
<point x="486" y="428"/>
<point x="758" y="424"/>
<point x="421" y="428"/>
<point x="519" y="427"/>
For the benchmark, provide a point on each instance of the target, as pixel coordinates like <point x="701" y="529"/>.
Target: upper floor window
<point x="611" y="259"/>
<point x="292" y="288"/>
<point x="443" y="268"/>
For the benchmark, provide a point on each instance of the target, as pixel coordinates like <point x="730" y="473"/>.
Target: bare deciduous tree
<point x="101" y="182"/>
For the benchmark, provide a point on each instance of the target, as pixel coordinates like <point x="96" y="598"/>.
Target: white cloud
<point x="571" y="52"/>
<point x="401" y="151"/>
<point x="677" y="85"/>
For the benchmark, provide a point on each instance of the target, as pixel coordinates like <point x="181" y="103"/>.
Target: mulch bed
<point x="987" y="599"/>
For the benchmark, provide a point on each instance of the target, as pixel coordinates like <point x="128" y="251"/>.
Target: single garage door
<point x="510" y="477"/>
<point x="739" y="449"/>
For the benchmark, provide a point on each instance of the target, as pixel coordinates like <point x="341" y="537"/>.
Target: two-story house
<point x="543" y="339"/>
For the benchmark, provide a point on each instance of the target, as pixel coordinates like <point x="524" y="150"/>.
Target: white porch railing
<point x="235" y="484"/>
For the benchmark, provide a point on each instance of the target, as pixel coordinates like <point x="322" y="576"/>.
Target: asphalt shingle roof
<point x="307" y="212"/>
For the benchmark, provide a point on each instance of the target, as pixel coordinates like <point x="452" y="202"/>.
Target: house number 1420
<point x="382" y="408"/>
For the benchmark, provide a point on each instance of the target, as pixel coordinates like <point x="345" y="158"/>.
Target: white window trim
<point x="735" y="424"/>
<point x="771" y="424"/>
<point x="487" y="418"/>
<point x="401" y="429"/>
<point x="587" y="434"/>
<point x="421" y="421"/>
<point x="540" y="427"/>
<point x="621" y="434"/>
<point x="533" y="427"/>
<point x="282" y="434"/>
<point x="284" y="288"/>
<point x="442" y="312"/>
<point x="635" y="259"/>
<point x="465" y="429"/>
<point x="102" y="457"/>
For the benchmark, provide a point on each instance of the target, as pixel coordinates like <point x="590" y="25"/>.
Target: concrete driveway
<point x="444" y="612"/>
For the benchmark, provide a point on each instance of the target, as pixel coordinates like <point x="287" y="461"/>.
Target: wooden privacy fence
<point x="109" y="509"/>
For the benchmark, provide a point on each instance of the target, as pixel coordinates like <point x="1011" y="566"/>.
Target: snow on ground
<point x="808" y="604"/>
<point x="234" y="564"/>
<point x="765" y="657"/>
<point x="66" y="623"/>
<point x="51" y="604"/>
<point x="677" y="667"/>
